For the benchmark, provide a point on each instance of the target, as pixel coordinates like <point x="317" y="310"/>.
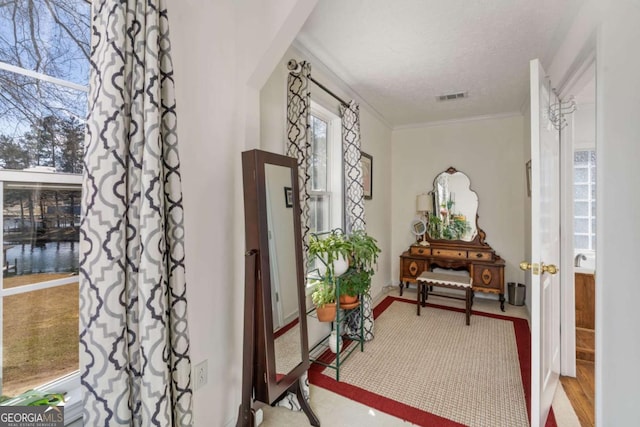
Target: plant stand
<point x="350" y="314"/>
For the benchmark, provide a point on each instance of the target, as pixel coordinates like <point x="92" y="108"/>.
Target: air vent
<point x="452" y="96"/>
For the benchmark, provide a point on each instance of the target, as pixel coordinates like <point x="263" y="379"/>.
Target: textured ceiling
<point x="399" y="55"/>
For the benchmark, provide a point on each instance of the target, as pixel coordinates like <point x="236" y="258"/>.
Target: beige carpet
<point x="287" y="350"/>
<point x="468" y="374"/>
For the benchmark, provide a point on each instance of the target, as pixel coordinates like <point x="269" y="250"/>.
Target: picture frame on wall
<point x="367" y="175"/>
<point x="288" y="197"/>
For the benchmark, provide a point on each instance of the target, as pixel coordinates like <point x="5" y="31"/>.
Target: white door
<point x="545" y="247"/>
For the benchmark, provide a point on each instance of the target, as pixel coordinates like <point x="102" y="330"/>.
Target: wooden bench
<point x="445" y="280"/>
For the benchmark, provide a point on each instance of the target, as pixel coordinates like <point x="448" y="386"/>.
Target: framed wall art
<point x="288" y="197"/>
<point x="367" y="175"/>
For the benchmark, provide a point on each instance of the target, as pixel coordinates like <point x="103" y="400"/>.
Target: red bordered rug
<point x="325" y="378"/>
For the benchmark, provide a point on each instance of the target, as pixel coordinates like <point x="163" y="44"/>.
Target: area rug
<point x="444" y="373"/>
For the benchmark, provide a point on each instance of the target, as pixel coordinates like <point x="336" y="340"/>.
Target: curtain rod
<point x="293" y="66"/>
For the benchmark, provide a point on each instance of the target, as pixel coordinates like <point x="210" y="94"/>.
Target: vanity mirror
<point x="455" y="208"/>
<point x="276" y="350"/>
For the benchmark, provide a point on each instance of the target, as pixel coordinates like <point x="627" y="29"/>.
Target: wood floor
<point x="581" y="392"/>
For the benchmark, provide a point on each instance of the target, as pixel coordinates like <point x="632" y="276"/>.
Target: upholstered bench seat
<point x="445" y="280"/>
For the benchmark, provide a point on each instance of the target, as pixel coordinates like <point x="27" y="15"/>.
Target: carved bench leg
<point x="468" y="295"/>
<point x="502" y="302"/>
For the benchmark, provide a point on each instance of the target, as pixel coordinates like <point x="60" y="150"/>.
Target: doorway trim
<point x="576" y="76"/>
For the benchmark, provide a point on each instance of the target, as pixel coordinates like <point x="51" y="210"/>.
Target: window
<point x="326" y="171"/>
<point x="584" y="200"/>
<point x="44" y="74"/>
<point x="325" y="192"/>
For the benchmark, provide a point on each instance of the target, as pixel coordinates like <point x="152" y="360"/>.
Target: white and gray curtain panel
<point x="134" y="338"/>
<point x="354" y="203"/>
<point x="353" y="178"/>
<point x="298" y="143"/>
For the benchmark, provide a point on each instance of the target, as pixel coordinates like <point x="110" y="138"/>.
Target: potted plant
<point x="332" y="249"/>
<point x="324" y="298"/>
<point x="363" y="256"/>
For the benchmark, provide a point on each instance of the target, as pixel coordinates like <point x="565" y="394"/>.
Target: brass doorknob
<point x="524" y="265"/>
<point x="551" y="268"/>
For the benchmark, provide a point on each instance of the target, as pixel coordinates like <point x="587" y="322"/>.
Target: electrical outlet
<point x="200" y="375"/>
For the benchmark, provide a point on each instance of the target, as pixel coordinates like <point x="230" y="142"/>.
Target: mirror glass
<point x="282" y="266"/>
<point x="455" y="207"/>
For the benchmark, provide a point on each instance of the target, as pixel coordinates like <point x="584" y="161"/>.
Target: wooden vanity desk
<point x="484" y="266"/>
<point x="452" y="237"/>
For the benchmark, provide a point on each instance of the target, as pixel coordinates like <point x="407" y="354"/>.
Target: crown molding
<point x="456" y="121"/>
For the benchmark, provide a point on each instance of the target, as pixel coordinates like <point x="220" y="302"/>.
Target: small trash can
<point x="516" y="293"/>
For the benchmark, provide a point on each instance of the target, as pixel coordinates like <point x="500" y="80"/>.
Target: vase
<point x="335" y="342"/>
<point x="340" y="266"/>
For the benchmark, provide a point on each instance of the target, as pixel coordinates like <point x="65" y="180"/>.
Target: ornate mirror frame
<point x="479" y="238"/>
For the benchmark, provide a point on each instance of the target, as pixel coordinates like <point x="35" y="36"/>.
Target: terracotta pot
<point x="348" y="299"/>
<point x="327" y="313"/>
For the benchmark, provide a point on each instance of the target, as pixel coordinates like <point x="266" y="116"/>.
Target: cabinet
<point x="585" y="316"/>
<point x="348" y="325"/>
<point x="484" y="266"/>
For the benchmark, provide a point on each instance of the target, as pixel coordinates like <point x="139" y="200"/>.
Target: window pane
<point x="581" y="242"/>
<point x="581" y="209"/>
<point x="580" y="225"/>
<point x="580" y="192"/>
<point x="40" y="233"/>
<point x="319" y="214"/>
<point x="40" y="230"/>
<point x="40" y="336"/>
<point x="41" y="124"/>
<point x="49" y="37"/>
<point x="319" y="154"/>
<point x="581" y="175"/>
<point x="580" y="158"/>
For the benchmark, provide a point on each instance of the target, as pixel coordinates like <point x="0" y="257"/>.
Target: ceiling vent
<point x="452" y="96"/>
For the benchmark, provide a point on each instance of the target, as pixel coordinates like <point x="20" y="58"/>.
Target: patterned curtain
<point x="298" y="141"/>
<point x="353" y="186"/>
<point x="354" y="202"/>
<point x="134" y="344"/>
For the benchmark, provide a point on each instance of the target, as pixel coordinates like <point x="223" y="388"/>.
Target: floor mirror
<point x="276" y="348"/>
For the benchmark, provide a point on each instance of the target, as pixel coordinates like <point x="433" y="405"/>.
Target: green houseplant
<point x="332" y="249"/>
<point x="363" y="257"/>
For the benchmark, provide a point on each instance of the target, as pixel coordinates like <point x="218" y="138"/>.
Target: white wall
<point x="490" y="152"/>
<point x="223" y="51"/>
<point x="618" y="181"/>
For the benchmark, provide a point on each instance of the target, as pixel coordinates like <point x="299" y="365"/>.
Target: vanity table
<point x="454" y="242"/>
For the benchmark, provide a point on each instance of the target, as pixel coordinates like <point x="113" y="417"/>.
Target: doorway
<point x="581" y="240"/>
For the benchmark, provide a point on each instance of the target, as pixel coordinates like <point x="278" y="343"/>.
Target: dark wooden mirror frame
<point x="477" y="241"/>
<point x="260" y="381"/>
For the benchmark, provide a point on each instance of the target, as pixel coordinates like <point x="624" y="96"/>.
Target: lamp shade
<point x="423" y="202"/>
